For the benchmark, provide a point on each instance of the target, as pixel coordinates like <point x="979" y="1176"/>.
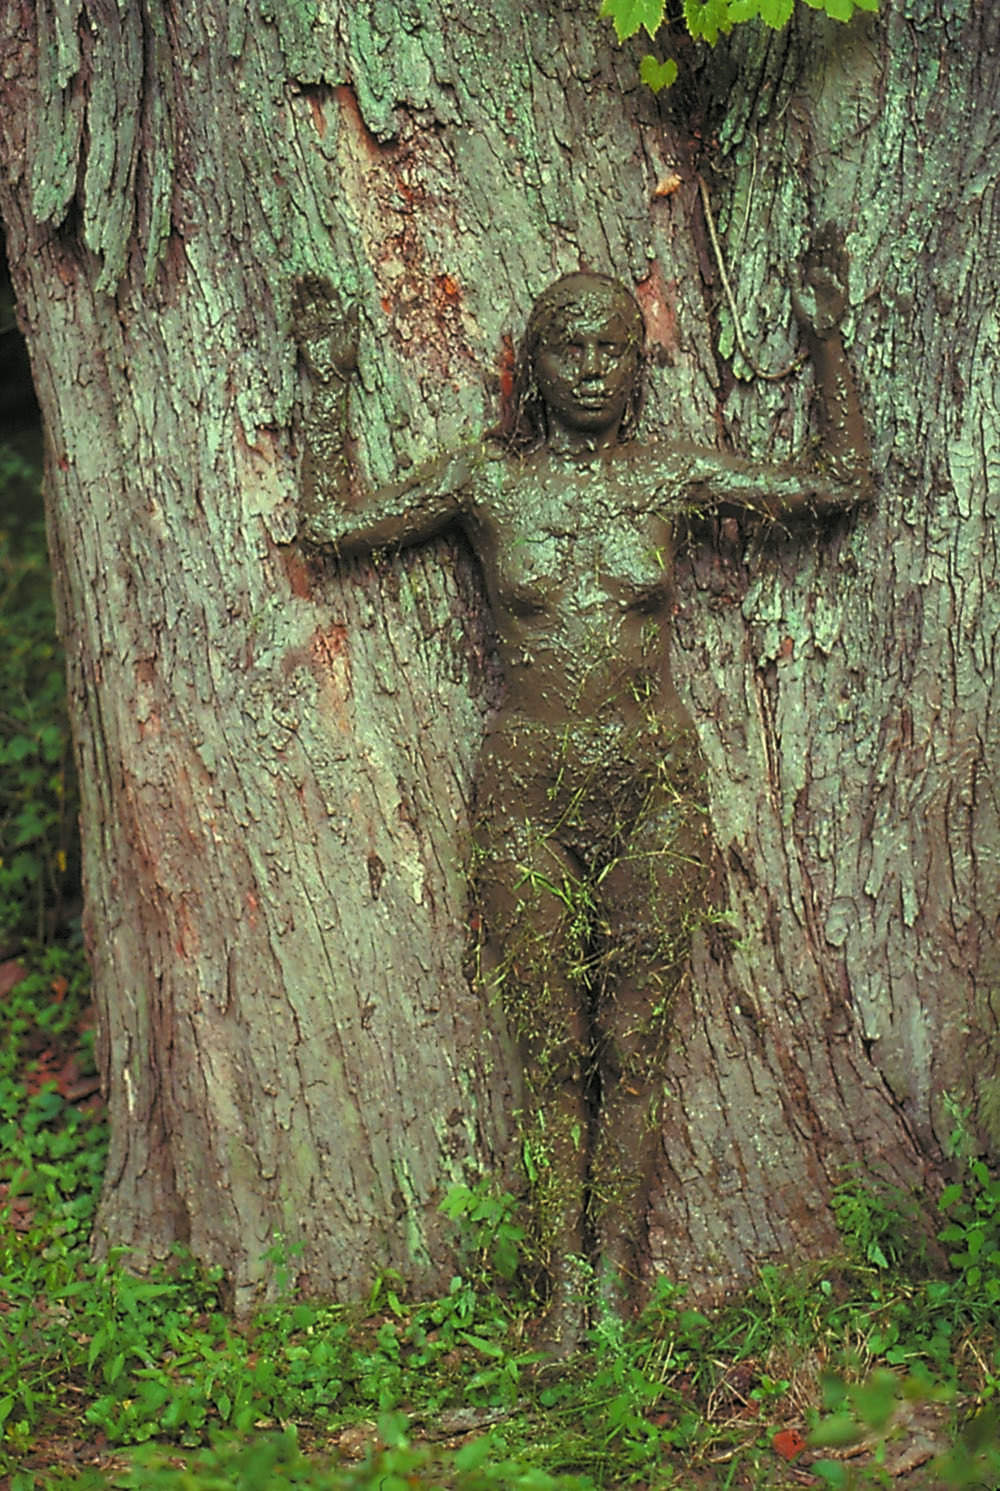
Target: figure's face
<point x="586" y="367"/>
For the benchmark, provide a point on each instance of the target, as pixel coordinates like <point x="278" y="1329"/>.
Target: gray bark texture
<point x="277" y="753"/>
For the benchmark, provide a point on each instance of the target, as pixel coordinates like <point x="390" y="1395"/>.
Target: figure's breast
<point x="633" y="562"/>
<point x="531" y="568"/>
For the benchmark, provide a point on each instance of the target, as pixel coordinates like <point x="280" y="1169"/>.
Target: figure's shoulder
<point x="499" y="472"/>
<point x="488" y="459"/>
<point x="485" y="466"/>
<point x="684" y="464"/>
<point x="452" y="472"/>
<point x="655" y="468"/>
<point x="648" y="473"/>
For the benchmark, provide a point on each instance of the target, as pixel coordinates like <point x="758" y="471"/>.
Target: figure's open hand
<point x="326" y="330"/>
<point x="821" y="302"/>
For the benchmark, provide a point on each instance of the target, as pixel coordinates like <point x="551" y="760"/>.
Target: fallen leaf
<point x="788" y="1443"/>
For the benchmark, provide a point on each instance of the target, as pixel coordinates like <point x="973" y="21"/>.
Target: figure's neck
<point x="563" y="440"/>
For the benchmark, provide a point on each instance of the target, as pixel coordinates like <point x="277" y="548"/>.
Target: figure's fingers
<point x="325" y="327"/>
<point x="821" y="302"/>
<point x="343" y="343"/>
<point x="804" y="306"/>
<point x="824" y="295"/>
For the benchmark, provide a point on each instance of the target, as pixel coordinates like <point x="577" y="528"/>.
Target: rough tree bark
<point x="276" y="756"/>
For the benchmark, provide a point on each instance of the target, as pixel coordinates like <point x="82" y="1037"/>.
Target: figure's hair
<point x="524" y="425"/>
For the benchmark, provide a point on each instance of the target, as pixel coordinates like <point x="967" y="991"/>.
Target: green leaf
<point x="459" y="1198"/>
<point x="657" y="75"/>
<point x="832" y="1471"/>
<point x="19" y="747"/>
<point x="834" y="1432"/>
<point x="96" y="1347"/>
<point x="706" y="18"/>
<point x="629" y="15"/>
<point x="488" y="1348"/>
<point x="474" y="1454"/>
<point x="876" y="1399"/>
<point x="777" y="13"/>
<point x="744" y="10"/>
<point x="505" y="1257"/>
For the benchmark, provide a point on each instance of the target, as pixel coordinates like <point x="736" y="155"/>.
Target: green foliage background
<point x="39" y="860"/>
<point x="39" y="857"/>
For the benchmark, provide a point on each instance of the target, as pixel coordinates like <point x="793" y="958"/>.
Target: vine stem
<point x="758" y="372"/>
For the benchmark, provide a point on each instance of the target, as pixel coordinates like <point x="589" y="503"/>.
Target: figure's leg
<point x="532" y="961"/>
<point x="653" y="897"/>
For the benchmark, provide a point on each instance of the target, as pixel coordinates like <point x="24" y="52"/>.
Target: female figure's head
<point x="578" y="381"/>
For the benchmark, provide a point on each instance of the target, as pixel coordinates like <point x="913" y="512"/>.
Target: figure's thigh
<point x="534" y="944"/>
<point x="653" y="897"/>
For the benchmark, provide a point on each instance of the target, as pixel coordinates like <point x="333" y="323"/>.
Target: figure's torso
<point x="577" y="556"/>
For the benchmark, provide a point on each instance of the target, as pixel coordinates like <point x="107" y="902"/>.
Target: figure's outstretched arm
<point x="398" y="515"/>
<point x="395" y="516"/>
<point x="843" y="476"/>
<point x="715" y="481"/>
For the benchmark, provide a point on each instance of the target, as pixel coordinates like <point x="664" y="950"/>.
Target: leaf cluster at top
<point x="707" y="20"/>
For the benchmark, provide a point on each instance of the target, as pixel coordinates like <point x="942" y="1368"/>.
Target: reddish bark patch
<point x="657" y="301"/>
<point x="297" y="572"/>
<point x="316" y="108"/>
<point x="506" y="367"/>
<point x="149" y="728"/>
<point x="326" y="647"/>
<point x="388" y="188"/>
<point x="330" y="658"/>
<point x="186" y="940"/>
<point x="348" y="103"/>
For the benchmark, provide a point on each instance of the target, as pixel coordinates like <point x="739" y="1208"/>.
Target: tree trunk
<point x="276" y="753"/>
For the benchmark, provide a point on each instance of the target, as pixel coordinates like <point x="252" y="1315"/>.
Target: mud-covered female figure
<point x="591" y="843"/>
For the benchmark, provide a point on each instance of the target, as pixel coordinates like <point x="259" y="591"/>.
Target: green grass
<point x="113" y="1380"/>
<point x="152" y="1375"/>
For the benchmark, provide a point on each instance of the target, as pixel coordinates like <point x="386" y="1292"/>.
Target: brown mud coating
<point x="591" y="841"/>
